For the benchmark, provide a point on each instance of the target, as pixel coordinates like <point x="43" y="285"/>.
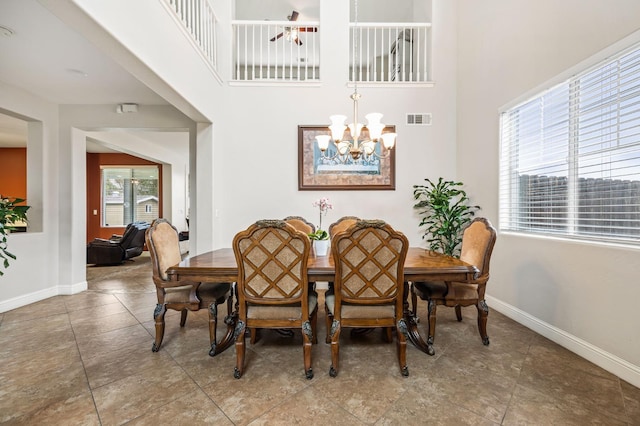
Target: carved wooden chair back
<point x="368" y="288"/>
<point x="164" y="249"/>
<point x="478" y="240"/>
<point x="301" y="224"/>
<point x="342" y="224"/>
<point x="272" y="284"/>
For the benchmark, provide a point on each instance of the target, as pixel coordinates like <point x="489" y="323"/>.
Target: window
<point x="129" y="194"/>
<point x="570" y="156"/>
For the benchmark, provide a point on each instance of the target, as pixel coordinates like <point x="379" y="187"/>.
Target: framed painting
<point x="329" y="172"/>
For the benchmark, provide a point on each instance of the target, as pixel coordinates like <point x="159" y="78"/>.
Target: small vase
<point x="321" y="247"/>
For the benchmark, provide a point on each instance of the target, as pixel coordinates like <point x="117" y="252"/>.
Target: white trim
<point x="37" y="296"/>
<point x="613" y="364"/>
<point x="73" y="288"/>
<point x="27" y="299"/>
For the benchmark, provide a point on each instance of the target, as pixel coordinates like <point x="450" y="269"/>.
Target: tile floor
<point x="86" y="360"/>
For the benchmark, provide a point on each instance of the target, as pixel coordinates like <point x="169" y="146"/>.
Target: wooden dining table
<point x="420" y="265"/>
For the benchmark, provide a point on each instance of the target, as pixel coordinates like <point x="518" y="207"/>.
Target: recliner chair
<point x="118" y="249"/>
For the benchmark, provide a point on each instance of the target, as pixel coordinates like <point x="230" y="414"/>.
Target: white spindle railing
<point x="267" y="51"/>
<point x="394" y="53"/>
<point x="200" y="21"/>
<point x="390" y="52"/>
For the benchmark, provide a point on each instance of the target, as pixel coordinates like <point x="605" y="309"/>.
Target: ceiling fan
<point x="291" y="33"/>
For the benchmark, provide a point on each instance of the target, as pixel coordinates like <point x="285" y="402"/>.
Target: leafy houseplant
<point x="319" y="235"/>
<point x="445" y="211"/>
<point x="10" y="213"/>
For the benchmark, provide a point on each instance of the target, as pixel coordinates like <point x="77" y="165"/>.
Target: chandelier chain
<point x="356" y="61"/>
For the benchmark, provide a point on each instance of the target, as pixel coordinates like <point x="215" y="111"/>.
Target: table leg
<point x="412" y="326"/>
<point x="231" y="320"/>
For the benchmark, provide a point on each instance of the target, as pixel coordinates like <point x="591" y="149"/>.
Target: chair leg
<point x="483" y="313"/>
<point x="314" y="325"/>
<point x="158" y="316"/>
<point x="213" y="324"/>
<point x="458" y="309"/>
<point x="402" y="351"/>
<point x="307" y="338"/>
<point x="414" y="303"/>
<point x="431" y="306"/>
<point x="328" y="321"/>
<point x="335" y="349"/>
<point x="240" y="349"/>
<point x="183" y="317"/>
<point x="255" y="336"/>
<point x="387" y="334"/>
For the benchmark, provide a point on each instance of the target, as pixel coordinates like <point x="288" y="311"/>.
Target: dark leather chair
<point x="119" y="248"/>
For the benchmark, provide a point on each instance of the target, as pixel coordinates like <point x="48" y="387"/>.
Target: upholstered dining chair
<point x="369" y="283"/>
<point x="272" y="285"/>
<point x="341" y="224"/>
<point x="478" y="240"/>
<point x="338" y="226"/>
<point x="184" y="296"/>
<point x="301" y="224"/>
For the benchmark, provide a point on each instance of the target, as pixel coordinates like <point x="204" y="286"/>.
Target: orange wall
<point x="94" y="161"/>
<point x="13" y="179"/>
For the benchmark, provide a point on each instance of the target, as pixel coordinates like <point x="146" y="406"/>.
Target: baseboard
<point x="613" y="364"/>
<point x="26" y="299"/>
<point x="73" y="289"/>
<point x="36" y="296"/>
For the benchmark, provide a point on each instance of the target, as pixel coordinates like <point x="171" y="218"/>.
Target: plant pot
<point x="321" y="247"/>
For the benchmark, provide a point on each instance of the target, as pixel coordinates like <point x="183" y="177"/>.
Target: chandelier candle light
<point x="355" y="150"/>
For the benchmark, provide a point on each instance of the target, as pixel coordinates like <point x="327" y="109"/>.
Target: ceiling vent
<point x="124" y="108"/>
<point x="422" y="119"/>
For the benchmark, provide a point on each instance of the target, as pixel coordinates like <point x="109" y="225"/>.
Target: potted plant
<point x="10" y="213"/>
<point x="320" y="237"/>
<point x="445" y="211"/>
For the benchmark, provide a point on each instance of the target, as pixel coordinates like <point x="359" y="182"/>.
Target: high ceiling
<point x="42" y="55"/>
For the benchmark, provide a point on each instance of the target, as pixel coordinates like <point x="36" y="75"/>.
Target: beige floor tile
<point x="33" y="393"/>
<point x="192" y="409"/>
<point x="141" y="393"/>
<point x="631" y="402"/>
<point x="307" y="407"/>
<point x="536" y="406"/>
<point x="424" y="407"/>
<point x="86" y="359"/>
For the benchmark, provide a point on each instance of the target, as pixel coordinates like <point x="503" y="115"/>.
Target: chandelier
<point x="359" y="144"/>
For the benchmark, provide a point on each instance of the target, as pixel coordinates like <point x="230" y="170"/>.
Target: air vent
<point x="423" y="119"/>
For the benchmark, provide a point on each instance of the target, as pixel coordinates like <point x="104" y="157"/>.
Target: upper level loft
<point x="388" y="42"/>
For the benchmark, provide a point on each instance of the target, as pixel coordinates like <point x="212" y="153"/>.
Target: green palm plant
<point x="445" y="211"/>
<point x="10" y="213"/>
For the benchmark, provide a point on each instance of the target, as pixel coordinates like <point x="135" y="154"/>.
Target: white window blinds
<point x="570" y="156"/>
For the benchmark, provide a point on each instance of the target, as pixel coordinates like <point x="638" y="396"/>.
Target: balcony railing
<point x="267" y="51"/>
<point x="199" y="20"/>
<point x="281" y="51"/>
<point x="390" y="53"/>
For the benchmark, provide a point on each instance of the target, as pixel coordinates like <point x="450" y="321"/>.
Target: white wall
<point x="33" y="275"/>
<point x="254" y="137"/>
<point x="58" y="248"/>
<point x="256" y="161"/>
<point x="582" y="296"/>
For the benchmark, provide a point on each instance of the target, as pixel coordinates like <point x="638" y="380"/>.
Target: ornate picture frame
<point x="312" y="175"/>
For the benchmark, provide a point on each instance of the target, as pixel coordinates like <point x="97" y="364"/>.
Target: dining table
<point x="219" y="266"/>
